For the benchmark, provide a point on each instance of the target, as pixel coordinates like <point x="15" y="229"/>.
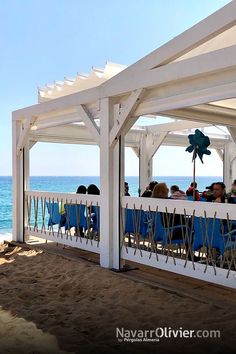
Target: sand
<point x="52" y="304"/>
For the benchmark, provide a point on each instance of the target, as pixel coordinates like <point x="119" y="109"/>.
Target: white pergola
<point x="191" y="79"/>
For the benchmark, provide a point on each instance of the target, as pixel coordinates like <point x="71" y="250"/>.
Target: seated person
<point x="160" y="191"/>
<point x="208" y="192"/>
<point x="218" y="193"/>
<point x="233" y="189"/>
<point x="127" y="189"/>
<point x="92" y="210"/>
<point x="81" y="189"/>
<point x="176" y="193"/>
<point x="148" y="192"/>
<point x="190" y="191"/>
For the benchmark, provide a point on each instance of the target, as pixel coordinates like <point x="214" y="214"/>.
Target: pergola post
<point x="110" y="186"/>
<point x="18" y="185"/>
<point x="227" y="172"/>
<point x="145" y="165"/>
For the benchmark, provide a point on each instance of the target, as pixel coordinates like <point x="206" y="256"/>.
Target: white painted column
<point x="227" y="172"/>
<point x="145" y="165"/>
<point x="27" y="165"/>
<point x="110" y="186"/>
<point x="17" y="186"/>
<point x="26" y="182"/>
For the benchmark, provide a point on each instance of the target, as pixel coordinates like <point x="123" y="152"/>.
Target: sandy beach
<point x="53" y="304"/>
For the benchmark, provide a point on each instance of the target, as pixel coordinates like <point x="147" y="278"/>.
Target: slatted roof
<point x="79" y="83"/>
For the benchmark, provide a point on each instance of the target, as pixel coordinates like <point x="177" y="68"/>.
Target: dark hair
<point x="210" y="187"/>
<point x="152" y="185"/>
<point x="193" y="184"/>
<point x="92" y="189"/>
<point x="81" y="189"/>
<point x="220" y="184"/>
<point x="234" y="182"/>
<point x="174" y="188"/>
<point x="126" y="183"/>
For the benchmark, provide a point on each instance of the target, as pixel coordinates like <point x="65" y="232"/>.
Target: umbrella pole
<point x="194" y="173"/>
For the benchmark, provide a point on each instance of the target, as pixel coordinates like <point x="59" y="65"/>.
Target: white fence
<point x="69" y="219"/>
<point x="195" y="239"/>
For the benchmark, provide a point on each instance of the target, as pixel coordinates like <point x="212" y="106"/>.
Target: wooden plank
<point x="198" y="66"/>
<point x="203" y="31"/>
<point x="120" y="121"/>
<point x="89" y="122"/>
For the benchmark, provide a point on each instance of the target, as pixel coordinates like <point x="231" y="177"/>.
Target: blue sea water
<point x="69" y="184"/>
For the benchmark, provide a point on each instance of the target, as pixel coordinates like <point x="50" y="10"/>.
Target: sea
<point x="69" y="185"/>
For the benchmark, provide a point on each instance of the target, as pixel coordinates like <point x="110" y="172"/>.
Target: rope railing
<point x="195" y="233"/>
<point x="63" y="217"/>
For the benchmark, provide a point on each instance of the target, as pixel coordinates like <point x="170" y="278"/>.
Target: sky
<point x="43" y="41"/>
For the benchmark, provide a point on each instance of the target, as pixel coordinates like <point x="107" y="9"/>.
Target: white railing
<point x="195" y="239"/>
<point x="150" y="236"/>
<point x="66" y="218"/>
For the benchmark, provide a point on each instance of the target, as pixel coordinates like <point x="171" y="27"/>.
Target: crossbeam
<point x="89" y="122"/>
<point x="121" y="123"/>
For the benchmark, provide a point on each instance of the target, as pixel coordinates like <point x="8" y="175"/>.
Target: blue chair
<point x="190" y="197"/>
<point x="211" y="234"/>
<point x="95" y="218"/>
<point x="202" y="199"/>
<point x="136" y="222"/>
<point x="75" y="216"/>
<point x="54" y="216"/>
<point x="169" y="234"/>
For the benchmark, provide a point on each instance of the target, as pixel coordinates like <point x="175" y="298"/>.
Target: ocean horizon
<point x="69" y="184"/>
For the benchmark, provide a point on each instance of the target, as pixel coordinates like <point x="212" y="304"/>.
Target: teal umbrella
<point x="198" y="146"/>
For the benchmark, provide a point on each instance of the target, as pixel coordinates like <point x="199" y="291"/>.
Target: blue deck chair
<point x="190" y="197"/>
<point x="135" y="222"/>
<point x="210" y="233"/>
<point x="75" y="216"/>
<point x="167" y="235"/>
<point x="54" y="216"/>
<point x="202" y="199"/>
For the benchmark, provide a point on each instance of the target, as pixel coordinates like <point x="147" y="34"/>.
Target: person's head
<point x="174" y="189"/>
<point x="218" y="189"/>
<point x="234" y="182"/>
<point x="126" y="187"/>
<point x="160" y="191"/>
<point x="152" y="185"/>
<point x="81" y="190"/>
<point x="193" y="184"/>
<point x="92" y="189"/>
<point x="210" y="188"/>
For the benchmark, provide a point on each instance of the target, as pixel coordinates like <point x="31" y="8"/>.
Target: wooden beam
<point x="89" y="122"/>
<point x="153" y="143"/>
<point x="232" y="131"/>
<point x="175" y="126"/>
<point x="189" y="99"/>
<point x="220" y="153"/>
<point x="198" y="66"/>
<point x="121" y="124"/>
<point x="200" y="33"/>
<point x="56" y="121"/>
<point x="136" y="150"/>
<point x="58" y="104"/>
<point x="25" y="129"/>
